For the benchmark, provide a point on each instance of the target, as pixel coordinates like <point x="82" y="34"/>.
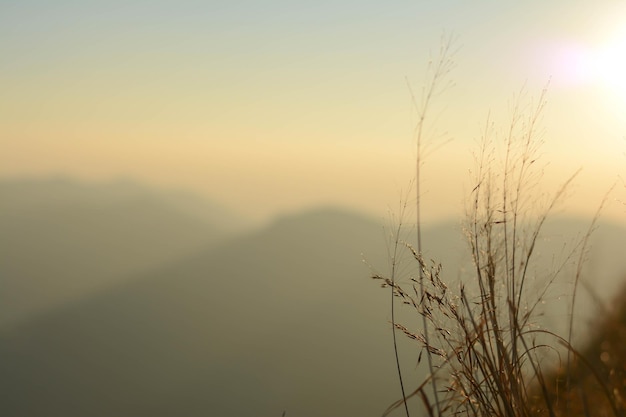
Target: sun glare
<point x="599" y="64"/>
<point x="610" y="65"/>
<point x="594" y="66"/>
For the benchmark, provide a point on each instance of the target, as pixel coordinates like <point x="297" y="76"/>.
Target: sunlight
<point x="587" y="66"/>
<point x="600" y="64"/>
<point x="609" y="65"/>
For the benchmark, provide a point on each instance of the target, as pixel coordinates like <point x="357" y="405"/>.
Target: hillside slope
<point x="60" y="240"/>
<point x="280" y="319"/>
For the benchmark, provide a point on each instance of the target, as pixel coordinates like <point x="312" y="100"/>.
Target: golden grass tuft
<point x="485" y="354"/>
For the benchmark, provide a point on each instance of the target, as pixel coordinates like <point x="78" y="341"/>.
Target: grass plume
<point x="485" y="354"/>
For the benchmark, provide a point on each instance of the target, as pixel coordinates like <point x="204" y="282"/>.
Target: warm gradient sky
<point x="276" y="105"/>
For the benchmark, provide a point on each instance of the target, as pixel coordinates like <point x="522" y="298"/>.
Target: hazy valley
<point x="120" y="300"/>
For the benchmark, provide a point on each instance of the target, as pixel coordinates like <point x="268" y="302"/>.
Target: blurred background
<point x="188" y="189"/>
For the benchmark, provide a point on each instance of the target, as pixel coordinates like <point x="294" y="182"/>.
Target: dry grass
<point x="595" y="382"/>
<point x="485" y="354"/>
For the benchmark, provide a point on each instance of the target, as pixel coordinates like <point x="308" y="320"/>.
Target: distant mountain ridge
<point x="21" y="193"/>
<point x="61" y="239"/>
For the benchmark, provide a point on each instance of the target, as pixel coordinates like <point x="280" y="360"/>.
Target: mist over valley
<point x="121" y="300"/>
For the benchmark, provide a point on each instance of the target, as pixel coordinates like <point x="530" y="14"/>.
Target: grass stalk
<point x="484" y="357"/>
<point x="440" y="69"/>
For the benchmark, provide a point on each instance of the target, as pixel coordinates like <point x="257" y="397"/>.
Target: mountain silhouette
<point x="60" y="239"/>
<point x="280" y="319"/>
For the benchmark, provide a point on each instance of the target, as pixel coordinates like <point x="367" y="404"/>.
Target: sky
<point x="274" y="106"/>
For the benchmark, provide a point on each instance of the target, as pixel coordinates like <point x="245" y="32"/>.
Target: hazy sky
<point x="269" y="106"/>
